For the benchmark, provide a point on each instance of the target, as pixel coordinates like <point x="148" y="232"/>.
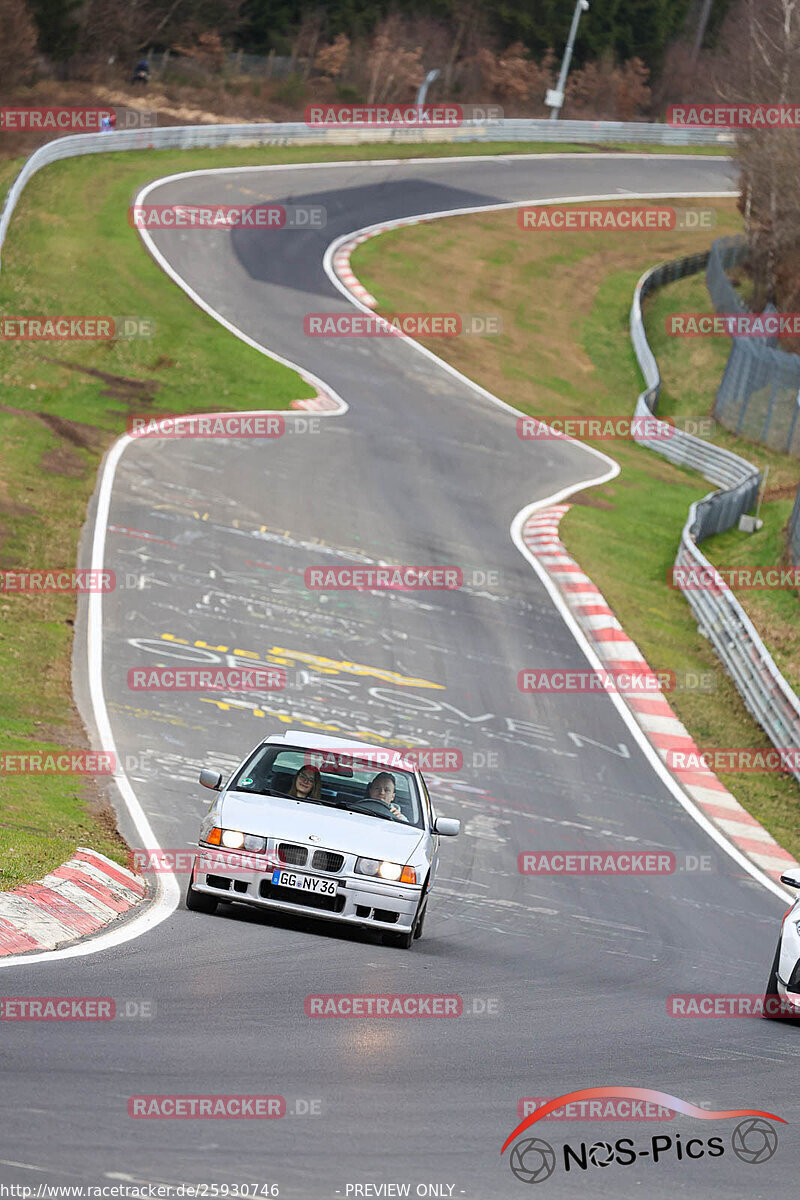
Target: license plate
<point x="305" y="883"/>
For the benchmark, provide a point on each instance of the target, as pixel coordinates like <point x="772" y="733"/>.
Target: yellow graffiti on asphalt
<point x="368" y="735"/>
<point x="325" y="666"/>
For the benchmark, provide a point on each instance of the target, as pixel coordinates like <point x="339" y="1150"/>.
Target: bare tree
<point x="332" y="59"/>
<point x="17" y="42"/>
<point x="395" y="68"/>
<point x="602" y="89"/>
<point x="760" y="64"/>
<point x="512" y="75"/>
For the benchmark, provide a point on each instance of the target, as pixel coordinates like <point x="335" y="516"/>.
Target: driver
<point x="382" y="788"/>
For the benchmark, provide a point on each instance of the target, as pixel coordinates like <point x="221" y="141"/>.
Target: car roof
<point x="319" y="741"/>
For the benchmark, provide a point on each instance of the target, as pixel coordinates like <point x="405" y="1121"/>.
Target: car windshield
<point x="335" y="779"/>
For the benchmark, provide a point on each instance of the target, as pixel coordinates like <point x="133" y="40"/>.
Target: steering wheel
<point x="376" y="807"/>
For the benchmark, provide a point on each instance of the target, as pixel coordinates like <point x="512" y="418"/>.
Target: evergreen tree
<point x="57" y="28"/>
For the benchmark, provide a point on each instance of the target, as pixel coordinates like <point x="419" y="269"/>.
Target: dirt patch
<point x="100" y="809"/>
<point x="63" y="461"/>
<point x="85" y="437"/>
<point x="119" y="387"/>
<point x="12" y="508"/>
<point x="786" y="491"/>
<point x="591" y="500"/>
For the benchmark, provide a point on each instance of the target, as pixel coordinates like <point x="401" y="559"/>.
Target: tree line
<point x="621" y="29"/>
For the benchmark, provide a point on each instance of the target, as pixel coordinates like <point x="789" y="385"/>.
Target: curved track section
<point x="565" y="980"/>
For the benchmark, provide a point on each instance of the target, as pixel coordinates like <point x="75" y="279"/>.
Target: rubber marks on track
<point x="341" y="265"/>
<point x="654" y="715"/>
<point x="80" y="897"/>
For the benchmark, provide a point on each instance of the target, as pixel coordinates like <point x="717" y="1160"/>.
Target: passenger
<point x="382" y="788"/>
<point x="306" y="785"/>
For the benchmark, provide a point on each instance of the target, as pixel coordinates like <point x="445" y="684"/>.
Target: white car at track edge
<point x="783" y="985"/>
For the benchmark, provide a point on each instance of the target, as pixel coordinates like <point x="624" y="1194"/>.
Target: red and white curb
<point x="341" y="265"/>
<point x="651" y="711"/>
<point x="320" y="403"/>
<point x="86" y="893"/>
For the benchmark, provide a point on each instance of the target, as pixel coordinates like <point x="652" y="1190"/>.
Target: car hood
<point x="333" y="829"/>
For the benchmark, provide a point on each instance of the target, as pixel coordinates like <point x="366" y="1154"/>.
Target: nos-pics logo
<point x="533" y="1160"/>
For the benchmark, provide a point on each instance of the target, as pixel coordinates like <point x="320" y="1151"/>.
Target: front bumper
<point x="359" y="900"/>
<point x="791" y="1000"/>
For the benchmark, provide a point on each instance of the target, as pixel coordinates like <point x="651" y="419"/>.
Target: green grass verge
<point x="565" y="350"/>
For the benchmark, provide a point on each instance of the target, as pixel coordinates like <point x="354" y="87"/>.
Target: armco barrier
<point x="759" y="394"/>
<point x="720" y="616"/>
<point x="794" y="531"/>
<point x="188" y="137"/>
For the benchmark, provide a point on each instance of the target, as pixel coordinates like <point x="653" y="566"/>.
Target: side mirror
<point x="213" y="780"/>
<point x="450" y="827"/>
<point x="791" y="877"/>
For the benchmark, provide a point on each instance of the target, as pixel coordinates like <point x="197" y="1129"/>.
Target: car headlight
<point x="381" y="869"/>
<point x="234" y="839"/>
<point x="257" y="844"/>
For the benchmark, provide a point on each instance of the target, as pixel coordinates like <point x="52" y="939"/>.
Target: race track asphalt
<point x="564" y="980"/>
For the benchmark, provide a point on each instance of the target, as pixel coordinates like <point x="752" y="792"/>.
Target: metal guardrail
<point x="188" y="137"/>
<point x="759" y="396"/>
<point x="794" y="532"/>
<point x="720" y="616"/>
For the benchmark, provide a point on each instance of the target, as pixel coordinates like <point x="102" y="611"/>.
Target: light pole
<point x="555" y="96"/>
<point x="423" y="87"/>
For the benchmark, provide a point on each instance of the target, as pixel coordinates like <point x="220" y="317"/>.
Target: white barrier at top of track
<point x="186" y="137"/>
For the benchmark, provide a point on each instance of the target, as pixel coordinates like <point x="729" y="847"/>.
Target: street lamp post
<point x="555" y="96"/>
<point x="423" y="87"/>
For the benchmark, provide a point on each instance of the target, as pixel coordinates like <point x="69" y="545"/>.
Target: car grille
<point x="326" y="860"/>
<point x="293" y="856"/>
<point x="287" y="895"/>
